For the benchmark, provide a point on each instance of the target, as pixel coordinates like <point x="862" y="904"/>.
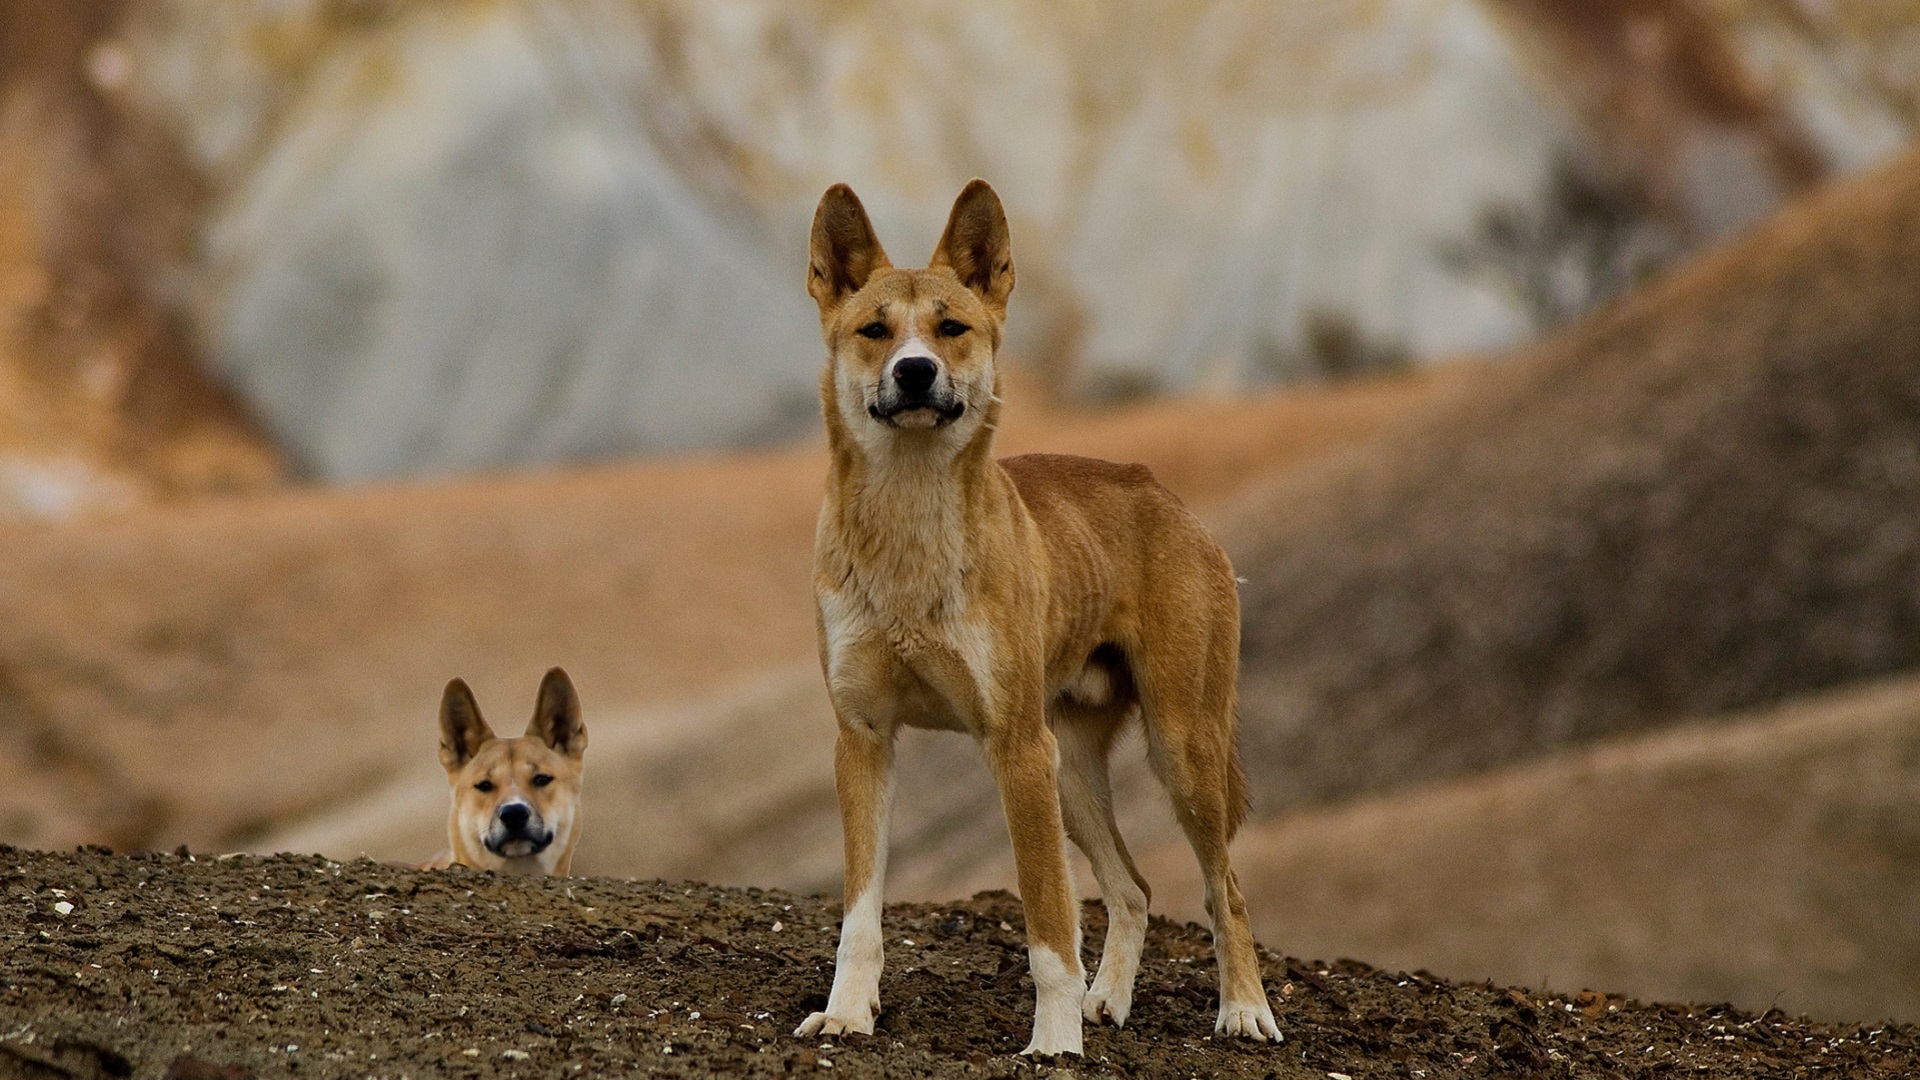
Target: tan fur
<point x="539" y="771"/>
<point x="1038" y="604"/>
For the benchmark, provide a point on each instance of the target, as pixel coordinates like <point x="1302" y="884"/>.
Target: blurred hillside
<point x="460" y="236"/>
<point x="105" y="400"/>
<point x="1696" y="500"/>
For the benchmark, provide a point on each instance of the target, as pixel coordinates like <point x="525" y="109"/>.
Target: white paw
<point x="827" y="1023"/>
<point x="1059" y="989"/>
<point x="1248" y="1020"/>
<point x="1103" y="1004"/>
<point x="1049" y="1045"/>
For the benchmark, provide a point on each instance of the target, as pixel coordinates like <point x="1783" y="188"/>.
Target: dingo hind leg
<point x="1187" y="703"/>
<point x="1086" y="735"/>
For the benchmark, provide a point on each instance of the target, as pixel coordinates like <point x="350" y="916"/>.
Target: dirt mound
<point x="117" y="966"/>
<point x="1699" y="500"/>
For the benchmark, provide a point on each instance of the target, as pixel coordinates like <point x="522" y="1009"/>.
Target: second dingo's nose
<point x="513" y="815"/>
<point x="915" y="374"/>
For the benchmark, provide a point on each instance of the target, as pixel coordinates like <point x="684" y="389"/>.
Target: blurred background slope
<point x="1549" y="368"/>
<point x="451" y="236"/>
<point x="434" y="194"/>
<point x="104" y="396"/>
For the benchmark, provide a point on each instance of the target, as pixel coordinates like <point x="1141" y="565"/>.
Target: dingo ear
<point x="462" y="731"/>
<point x="976" y="246"/>
<point x="556" y="716"/>
<point x="844" y="252"/>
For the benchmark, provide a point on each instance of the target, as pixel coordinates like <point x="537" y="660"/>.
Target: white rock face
<point x="466" y="236"/>
<point x="447" y="251"/>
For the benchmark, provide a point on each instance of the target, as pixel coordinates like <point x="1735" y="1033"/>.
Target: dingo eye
<point x="484" y="785"/>
<point x="953" y="328"/>
<point x="875" y="329"/>
<point x="541" y="779"/>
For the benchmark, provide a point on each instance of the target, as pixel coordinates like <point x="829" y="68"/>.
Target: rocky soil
<point x="150" y="965"/>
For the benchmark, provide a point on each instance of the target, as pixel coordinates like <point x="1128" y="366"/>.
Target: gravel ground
<point x="174" y="965"/>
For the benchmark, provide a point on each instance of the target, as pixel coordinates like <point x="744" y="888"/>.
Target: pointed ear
<point x="976" y="245"/>
<point x="462" y="731"/>
<point x="844" y="252"/>
<point x="556" y="716"/>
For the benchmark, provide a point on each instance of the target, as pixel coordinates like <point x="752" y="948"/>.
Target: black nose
<point x="915" y="374"/>
<point x="513" y="815"/>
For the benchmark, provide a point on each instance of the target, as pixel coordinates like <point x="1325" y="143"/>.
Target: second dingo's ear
<point x="462" y="730"/>
<point x="556" y="716"/>
<point x="844" y="251"/>
<point x="976" y="246"/>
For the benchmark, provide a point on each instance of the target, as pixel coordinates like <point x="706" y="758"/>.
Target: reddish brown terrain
<point x="1697" y="500"/>
<point x="164" y="661"/>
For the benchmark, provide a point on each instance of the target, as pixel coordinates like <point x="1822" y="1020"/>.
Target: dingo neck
<point x="898" y="529"/>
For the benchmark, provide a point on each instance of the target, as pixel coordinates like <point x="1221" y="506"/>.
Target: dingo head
<point x="516" y="801"/>
<point x="910" y="353"/>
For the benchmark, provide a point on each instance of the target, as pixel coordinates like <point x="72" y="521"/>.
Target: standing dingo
<point x="1038" y="604"/>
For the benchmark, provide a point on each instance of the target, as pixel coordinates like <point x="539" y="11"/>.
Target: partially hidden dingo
<point x="516" y="801"/>
<point x="1041" y="604"/>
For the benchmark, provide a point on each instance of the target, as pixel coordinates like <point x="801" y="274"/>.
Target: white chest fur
<point x="892" y="669"/>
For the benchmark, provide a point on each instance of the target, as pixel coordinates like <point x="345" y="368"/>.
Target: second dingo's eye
<point x="953" y="328"/>
<point x="541" y="779"/>
<point x="875" y="329"/>
<point x="484" y="785"/>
